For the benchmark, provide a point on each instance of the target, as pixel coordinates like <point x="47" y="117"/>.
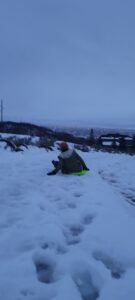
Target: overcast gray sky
<point x="65" y="60"/>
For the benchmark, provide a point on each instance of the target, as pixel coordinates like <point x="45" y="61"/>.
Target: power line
<point x="1" y="110"/>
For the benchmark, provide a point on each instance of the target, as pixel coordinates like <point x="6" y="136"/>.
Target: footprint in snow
<point x="71" y="205"/>
<point x="45" y="267"/>
<point x="84" y="283"/>
<point x="129" y="197"/>
<point x="77" y="195"/>
<point x="76" y="230"/>
<point x="26" y="293"/>
<point x="42" y="207"/>
<point x="73" y="233"/>
<point x="88" y="219"/>
<point x="57" y="199"/>
<point x="115" y="267"/>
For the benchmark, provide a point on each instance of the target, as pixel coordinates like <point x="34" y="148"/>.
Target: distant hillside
<point x="24" y="128"/>
<point x="41" y="131"/>
<point x="109" y="140"/>
<point x="71" y="135"/>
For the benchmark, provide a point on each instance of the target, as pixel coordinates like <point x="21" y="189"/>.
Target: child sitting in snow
<point x="69" y="161"/>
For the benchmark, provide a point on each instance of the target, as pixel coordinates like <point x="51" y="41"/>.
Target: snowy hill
<point x="66" y="237"/>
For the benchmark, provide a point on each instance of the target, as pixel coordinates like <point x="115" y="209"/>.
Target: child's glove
<point x="52" y="173"/>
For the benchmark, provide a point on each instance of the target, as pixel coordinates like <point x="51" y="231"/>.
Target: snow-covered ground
<point x="66" y="237"/>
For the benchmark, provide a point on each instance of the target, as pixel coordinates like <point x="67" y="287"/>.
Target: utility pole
<point x="1" y="107"/>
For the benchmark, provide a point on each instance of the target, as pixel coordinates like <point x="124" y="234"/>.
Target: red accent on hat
<point x="63" y="146"/>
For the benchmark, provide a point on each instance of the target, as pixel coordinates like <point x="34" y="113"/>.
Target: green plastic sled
<point x="83" y="172"/>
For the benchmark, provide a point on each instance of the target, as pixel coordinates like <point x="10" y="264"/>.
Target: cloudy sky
<point x="68" y="61"/>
